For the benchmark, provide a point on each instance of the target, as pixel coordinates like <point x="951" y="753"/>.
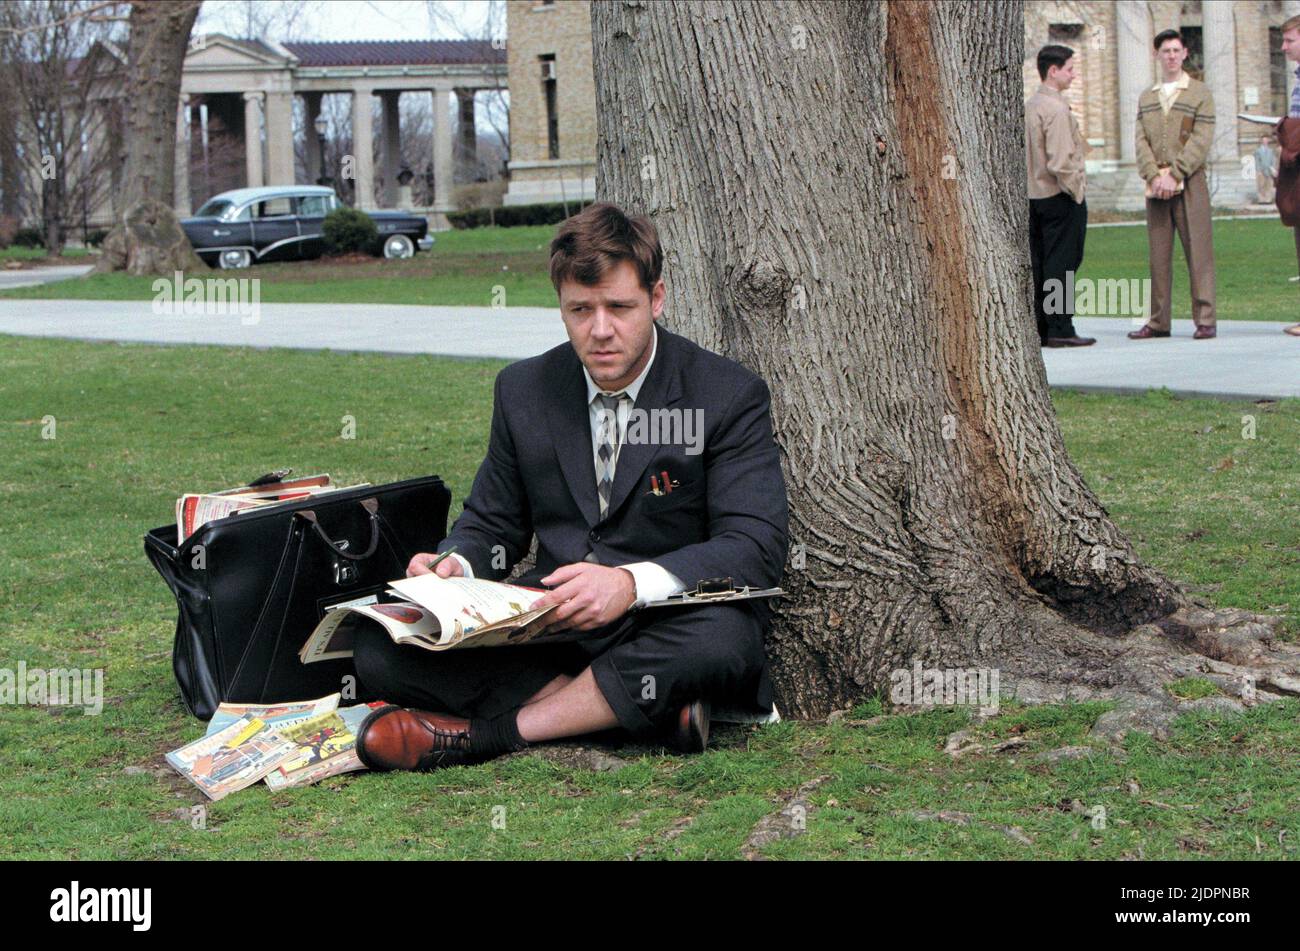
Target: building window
<point x="1277" y="73"/>
<point x="552" y="116"/>
<point x="1194" y="65"/>
<point x="1067" y="34"/>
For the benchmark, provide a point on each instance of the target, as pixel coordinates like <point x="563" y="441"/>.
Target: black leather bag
<point x="250" y="587"/>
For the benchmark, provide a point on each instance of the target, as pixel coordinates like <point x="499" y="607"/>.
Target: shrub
<point x="29" y="238"/>
<point x="95" y="238"/>
<point x="349" y="229"/>
<point x="510" y="216"/>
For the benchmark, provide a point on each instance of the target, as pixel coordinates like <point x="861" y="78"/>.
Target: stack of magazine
<point x="194" y="509"/>
<point x="283" y="745"/>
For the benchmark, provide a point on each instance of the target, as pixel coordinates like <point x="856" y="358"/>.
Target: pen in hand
<point x="434" y="564"/>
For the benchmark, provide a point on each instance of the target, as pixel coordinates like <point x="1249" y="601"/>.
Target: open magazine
<point x="439" y="614"/>
<point x="194" y="509"/>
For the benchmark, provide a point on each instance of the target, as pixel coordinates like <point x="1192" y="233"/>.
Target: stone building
<point x="552" y="101"/>
<point x="250" y="85"/>
<point x="1235" y="47"/>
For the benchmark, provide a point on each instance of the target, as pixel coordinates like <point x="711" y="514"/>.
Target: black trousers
<point x="1057" y="227"/>
<point x="646" y="665"/>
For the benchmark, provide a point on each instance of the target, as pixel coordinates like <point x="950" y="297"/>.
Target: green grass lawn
<point x="1254" y="260"/>
<point x="463" y="269"/>
<point x="17" y="253"/>
<point x="137" y="424"/>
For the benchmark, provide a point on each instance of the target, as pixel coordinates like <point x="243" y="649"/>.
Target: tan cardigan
<point x="1179" y="139"/>
<point x="1054" y="147"/>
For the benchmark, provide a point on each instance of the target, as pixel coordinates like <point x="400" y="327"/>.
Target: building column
<point x="253" y="138"/>
<point x="1290" y="8"/>
<point x="1134" y="53"/>
<point x="1219" y="42"/>
<point x="311" y="110"/>
<point x="442" y="165"/>
<point x="392" y="144"/>
<point x="363" y="158"/>
<point x="181" y="174"/>
<point x="279" y="139"/>
<point x="466" y="136"/>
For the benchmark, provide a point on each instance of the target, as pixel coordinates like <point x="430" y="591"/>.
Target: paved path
<point x="28" y="277"/>
<point x="512" y="333"/>
<point x="1248" y="359"/>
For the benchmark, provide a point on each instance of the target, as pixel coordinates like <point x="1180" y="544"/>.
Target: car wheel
<point x="398" y="246"/>
<point x="235" y="258"/>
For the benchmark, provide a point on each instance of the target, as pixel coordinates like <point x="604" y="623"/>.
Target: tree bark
<point x="149" y="238"/>
<point x="840" y="191"/>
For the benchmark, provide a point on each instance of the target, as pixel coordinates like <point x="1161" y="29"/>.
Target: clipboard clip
<point x="712" y="589"/>
<point x="715" y="590"/>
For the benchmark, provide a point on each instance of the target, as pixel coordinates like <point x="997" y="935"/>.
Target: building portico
<point x="268" y="75"/>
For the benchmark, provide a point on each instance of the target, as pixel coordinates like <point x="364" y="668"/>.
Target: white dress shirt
<point x="653" y="582"/>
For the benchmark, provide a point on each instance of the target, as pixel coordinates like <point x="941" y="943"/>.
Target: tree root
<point x="1235" y="650"/>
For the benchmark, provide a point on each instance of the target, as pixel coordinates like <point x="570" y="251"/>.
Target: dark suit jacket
<point x="728" y="518"/>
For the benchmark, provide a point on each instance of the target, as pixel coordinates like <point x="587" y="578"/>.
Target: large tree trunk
<point x="149" y="238"/>
<point x="840" y="189"/>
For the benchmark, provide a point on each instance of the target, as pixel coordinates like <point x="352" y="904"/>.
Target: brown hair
<point x="589" y="243"/>
<point x="1291" y="24"/>
<point x="1164" y="36"/>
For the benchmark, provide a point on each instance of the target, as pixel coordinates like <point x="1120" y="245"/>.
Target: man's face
<point x="610" y="324"/>
<point x="1291" y="45"/>
<point x="1171" y="55"/>
<point x="1063" y="75"/>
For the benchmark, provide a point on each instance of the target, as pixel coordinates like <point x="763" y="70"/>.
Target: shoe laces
<point x="445" y="742"/>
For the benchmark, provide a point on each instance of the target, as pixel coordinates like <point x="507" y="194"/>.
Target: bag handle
<point x="371" y="505"/>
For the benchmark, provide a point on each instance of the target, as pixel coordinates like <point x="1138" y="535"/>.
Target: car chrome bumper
<point x="426" y="243"/>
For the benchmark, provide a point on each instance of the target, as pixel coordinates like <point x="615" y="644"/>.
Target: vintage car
<point x="248" y="225"/>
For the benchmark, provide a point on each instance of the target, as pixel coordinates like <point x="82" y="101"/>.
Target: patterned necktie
<point x="607" y="454"/>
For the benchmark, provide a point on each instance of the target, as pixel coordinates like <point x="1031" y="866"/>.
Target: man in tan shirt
<point x="1058" y="214"/>
<point x="1175" y="128"/>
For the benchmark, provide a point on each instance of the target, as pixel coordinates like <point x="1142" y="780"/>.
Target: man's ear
<point x="658" y="294"/>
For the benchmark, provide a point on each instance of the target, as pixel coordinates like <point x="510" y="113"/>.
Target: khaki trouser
<point x="1189" y="214"/>
<point x="1264" y="188"/>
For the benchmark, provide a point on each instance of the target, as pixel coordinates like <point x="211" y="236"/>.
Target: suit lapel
<point x="569" y="421"/>
<point x="662" y="388"/>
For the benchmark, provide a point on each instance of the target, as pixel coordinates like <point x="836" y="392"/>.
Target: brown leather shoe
<point x="397" y="738"/>
<point x="1146" y="333"/>
<point x="691" y="734"/>
<point x="1075" y="341"/>
<point x="1204" y="333"/>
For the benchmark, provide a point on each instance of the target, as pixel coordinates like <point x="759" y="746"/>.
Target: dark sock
<point x="496" y="735"/>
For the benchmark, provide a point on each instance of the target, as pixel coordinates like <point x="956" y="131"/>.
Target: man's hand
<point x="1164" y="185"/>
<point x="589" y="595"/>
<point x="449" y="567"/>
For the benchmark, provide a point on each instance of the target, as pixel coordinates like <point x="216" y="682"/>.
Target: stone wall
<point x="563" y="30"/>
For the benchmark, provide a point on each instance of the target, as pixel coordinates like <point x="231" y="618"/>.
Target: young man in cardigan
<point x="1175" y="128"/>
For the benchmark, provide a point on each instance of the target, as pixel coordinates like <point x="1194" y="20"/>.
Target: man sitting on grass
<point x="620" y="520"/>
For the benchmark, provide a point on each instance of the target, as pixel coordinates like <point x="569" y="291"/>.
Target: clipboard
<point x="713" y="591"/>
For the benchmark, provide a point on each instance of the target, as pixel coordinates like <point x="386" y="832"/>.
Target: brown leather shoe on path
<point x="1075" y="341"/>
<point x="1146" y="333"/>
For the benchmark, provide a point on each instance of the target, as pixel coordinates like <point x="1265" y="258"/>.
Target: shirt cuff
<point x="653" y="582"/>
<point x="464" y="565"/>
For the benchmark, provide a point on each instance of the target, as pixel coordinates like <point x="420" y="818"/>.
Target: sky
<point x="342" y="19"/>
